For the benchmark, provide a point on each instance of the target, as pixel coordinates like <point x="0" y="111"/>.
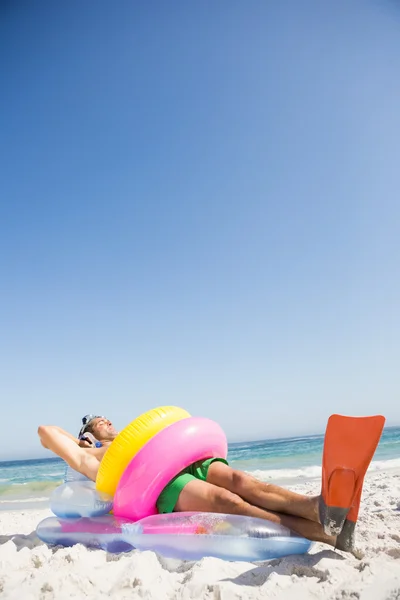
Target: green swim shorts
<point x="169" y="496"/>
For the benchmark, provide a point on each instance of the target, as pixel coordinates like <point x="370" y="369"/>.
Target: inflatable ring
<point x="130" y="440"/>
<point x="161" y="459"/>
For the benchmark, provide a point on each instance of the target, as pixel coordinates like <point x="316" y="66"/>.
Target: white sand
<point x="31" y="570"/>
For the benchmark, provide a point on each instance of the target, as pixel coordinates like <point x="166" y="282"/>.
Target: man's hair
<point x="89" y="428"/>
<point x="87" y="424"/>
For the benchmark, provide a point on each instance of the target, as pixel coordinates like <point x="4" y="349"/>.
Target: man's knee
<point x="227" y="502"/>
<point x="242" y="482"/>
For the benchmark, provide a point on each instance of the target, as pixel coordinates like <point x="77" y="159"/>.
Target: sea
<point x="29" y="483"/>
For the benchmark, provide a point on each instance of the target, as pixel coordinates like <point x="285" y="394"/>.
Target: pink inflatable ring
<point x="161" y="459"/>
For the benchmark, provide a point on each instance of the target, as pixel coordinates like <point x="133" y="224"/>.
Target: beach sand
<point x="31" y="570"/>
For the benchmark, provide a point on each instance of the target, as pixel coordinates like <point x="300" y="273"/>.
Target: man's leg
<point x="265" y="495"/>
<point x="201" y="496"/>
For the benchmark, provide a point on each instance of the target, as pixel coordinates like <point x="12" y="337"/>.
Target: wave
<point x="26" y="489"/>
<point x="392" y="463"/>
<point x="314" y="471"/>
<point x="24" y="500"/>
<point x="22" y="476"/>
<point x="278" y="474"/>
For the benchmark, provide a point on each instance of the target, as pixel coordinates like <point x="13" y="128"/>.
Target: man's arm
<point x="66" y="447"/>
<point x="81" y="443"/>
<point x="55" y="428"/>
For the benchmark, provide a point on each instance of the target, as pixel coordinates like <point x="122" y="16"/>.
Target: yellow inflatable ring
<point x="130" y="440"/>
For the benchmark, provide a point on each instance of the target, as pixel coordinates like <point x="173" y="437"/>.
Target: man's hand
<point x="83" y="443"/>
<point x="87" y="441"/>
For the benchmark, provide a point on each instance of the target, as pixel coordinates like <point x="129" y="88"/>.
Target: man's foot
<point x="345" y="541"/>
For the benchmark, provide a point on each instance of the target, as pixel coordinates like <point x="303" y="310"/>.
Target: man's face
<point x="103" y="429"/>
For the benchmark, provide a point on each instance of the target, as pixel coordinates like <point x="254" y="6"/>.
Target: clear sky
<point x="199" y="206"/>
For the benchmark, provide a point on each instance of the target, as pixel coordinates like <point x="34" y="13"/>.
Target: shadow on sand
<point x="22" y="541"/>
<point x="300" y="565"/>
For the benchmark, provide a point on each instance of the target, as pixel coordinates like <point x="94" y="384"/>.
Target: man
<point x="206" y="486"/>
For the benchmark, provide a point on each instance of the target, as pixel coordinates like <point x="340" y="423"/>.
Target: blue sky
<point x="199" y="206"/>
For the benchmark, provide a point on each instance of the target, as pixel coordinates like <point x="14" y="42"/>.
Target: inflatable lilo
<point x="187" y="536"/>
<point x="138" y="465"/>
